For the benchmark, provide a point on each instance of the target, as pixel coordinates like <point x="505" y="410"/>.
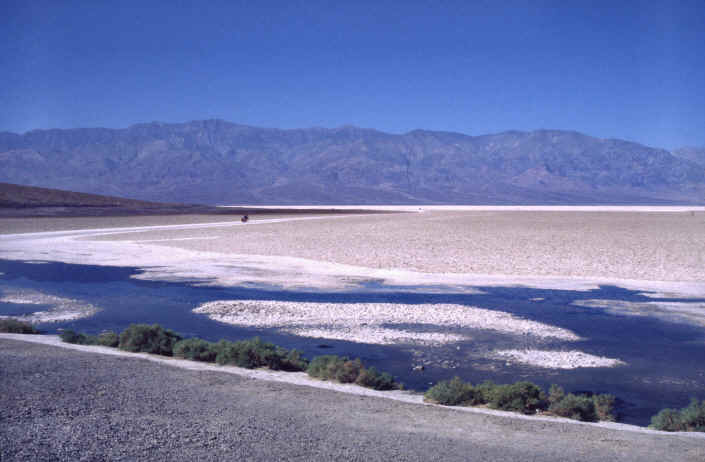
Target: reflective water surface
<point x="665" y="358"/>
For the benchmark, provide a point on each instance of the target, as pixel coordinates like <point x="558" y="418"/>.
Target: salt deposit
<point x="557" y="359"/>
<point x="687" y="313"/>
<point x="57" y="309"/>
<point x="379" y="323"/>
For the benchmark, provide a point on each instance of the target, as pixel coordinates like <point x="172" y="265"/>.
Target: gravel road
<point x="59" y="404"/>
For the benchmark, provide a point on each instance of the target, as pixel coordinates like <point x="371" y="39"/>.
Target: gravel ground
<point x="627" y="245"/>
<point x="59" y="404"/>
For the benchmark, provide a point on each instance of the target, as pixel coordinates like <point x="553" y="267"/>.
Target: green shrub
<point x="109" y="339"/>
<point x="295" y="361"/>
<point x="604" y="407"/>
<point x="346" y="370"/>
<point x="519" y="397"/>
<point x="555" y="394"/>
<point x="149" y="339"/>
<point x="483" y="391"/>
<point x="451" y="392"/>
<point x="372" y="378"/>
<point x="325" y="366"/>
<point x="693" y="416"/>
<point x="195" y="349"/>
<point x="13" y="326"/>
<point x="70" y="336"/>
<point x="668" y="420"/>
<point x="578" y="407"/>
<point x="349" y="371"/>
<point x="256" y="353"/>
<point x="688" y="419"/>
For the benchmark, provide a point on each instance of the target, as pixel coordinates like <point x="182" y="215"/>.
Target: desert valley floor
<point x="603" y="299"/>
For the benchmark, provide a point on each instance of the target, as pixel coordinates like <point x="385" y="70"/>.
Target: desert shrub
<point x="555" y="394"/>
<point x="689" y="419"/>
<point x="325" y="366"/>
<point x="372" y="378"/>
<point x="578" y="407"/>
<point x="195" y="349"/>
<point x="693" y="416"/>
<point x="256" y="353"/>
<point x="70" y="336"/>
<point x="451" y="392"/>
<point x="294" y="361"/>
<point x="604" y="407"/>
<point x="13" y="326"/>
<point x="483" y="392"/>
<point x="109" y="339"/>
<point x="523" y="397"/>
<point x="346" y="370"/>
<point x="149" y="339"/>
<point x="668" y="420"/>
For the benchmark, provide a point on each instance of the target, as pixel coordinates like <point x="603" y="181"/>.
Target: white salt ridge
<point x="374" y="322"/>
<point x="558" y="359"/>
<point x="59" y="308"/>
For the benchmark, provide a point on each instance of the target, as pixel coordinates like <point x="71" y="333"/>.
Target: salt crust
<point x="302" y="379"/>
<point x="59" y="308"/>
<point x="375" y="322"/>
<point x="558" y="359"/>
<point x="692" y="313"/>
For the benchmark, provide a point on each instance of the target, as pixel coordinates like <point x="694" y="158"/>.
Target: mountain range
<point x="218" y="162"/>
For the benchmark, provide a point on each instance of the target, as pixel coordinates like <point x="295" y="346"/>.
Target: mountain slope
<point x="214" y="161"/>
<point x="692" y="154"/>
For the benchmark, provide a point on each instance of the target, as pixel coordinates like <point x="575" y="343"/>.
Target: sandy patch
<point x="557" y="359"/>
<point x="59" y="309"/>
<point x="377" y="323"/>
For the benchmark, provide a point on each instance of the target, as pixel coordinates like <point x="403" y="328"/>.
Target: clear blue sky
<point x="619" y="69"/>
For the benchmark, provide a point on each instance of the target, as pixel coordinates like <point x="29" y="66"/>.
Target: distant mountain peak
<point x="216" y="161"/>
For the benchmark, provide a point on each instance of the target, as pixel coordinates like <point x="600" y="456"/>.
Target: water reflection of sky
<point x="665" y="358"/>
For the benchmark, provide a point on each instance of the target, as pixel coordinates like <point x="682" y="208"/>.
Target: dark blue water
<point x="665" y="360"/>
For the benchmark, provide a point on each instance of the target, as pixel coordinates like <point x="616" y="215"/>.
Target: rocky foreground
<point x="59" y="404"/>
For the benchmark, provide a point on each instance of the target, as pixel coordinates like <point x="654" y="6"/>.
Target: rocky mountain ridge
<point x="219" y="162"/>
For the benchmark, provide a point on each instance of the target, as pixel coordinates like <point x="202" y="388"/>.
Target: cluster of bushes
<point x="256" y="353"/>
<point x="157" y="340"/>
<point x="250" y="354"/>
<point x="144" y="338"/>
<point x="687" y="419"/>
<point x="136" y="338"/>
<point x="109" y="339"/>
<point x="13" y="326"/>
<point x="524" y="397"/>
<point x="588" y="408"/>
<point x="346" y="370"/>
